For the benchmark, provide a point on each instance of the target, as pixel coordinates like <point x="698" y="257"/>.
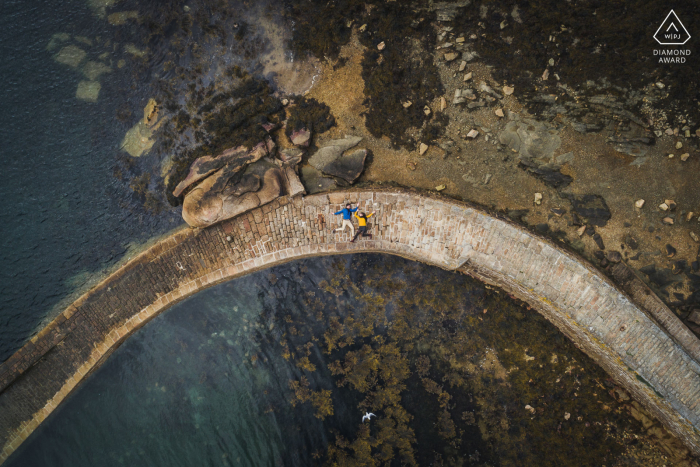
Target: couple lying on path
<point x="347" y="222"/>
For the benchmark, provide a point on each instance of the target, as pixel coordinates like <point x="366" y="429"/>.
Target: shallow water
<point x="64" y="214"/>
<point x="74" y="203"/>
<point x="277" y="368"/>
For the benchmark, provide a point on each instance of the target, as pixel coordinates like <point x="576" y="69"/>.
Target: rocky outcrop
<point x="238" y="180"/>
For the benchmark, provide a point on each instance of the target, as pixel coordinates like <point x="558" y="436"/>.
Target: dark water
<point x="277" y="368"/>
<point x="64" y="214"/>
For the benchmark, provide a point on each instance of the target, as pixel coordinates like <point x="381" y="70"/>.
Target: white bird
<point x="367" y="416"/>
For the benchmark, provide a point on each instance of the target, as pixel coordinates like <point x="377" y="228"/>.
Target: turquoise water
<point x="278" y="368"/>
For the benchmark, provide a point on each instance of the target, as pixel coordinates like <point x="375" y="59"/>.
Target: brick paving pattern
<point x="641" y="344"/>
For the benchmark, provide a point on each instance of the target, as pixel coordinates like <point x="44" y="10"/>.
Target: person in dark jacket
<point x="347" y="216"/>
<point x="362" y="229"/>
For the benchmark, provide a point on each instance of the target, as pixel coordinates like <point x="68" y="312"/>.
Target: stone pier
<point x="635" y="338"/>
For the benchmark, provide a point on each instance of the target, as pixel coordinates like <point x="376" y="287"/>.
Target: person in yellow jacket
<point x="362" y="229"/>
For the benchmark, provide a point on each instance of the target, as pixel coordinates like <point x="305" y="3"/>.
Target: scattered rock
<point x="468" y="76"/>
<point x="663" y="206"/>
<point x="426" y="110"/>
<point x="381" y="46"/>
<point x="581" y="230"/>
<point x="472" y="134"/>
<point x="694" y="236"/>
<point x="407" y="104"/>
<point x="679" y="266"/>
<point x="440" y="187"/>
<point x="614" y="256"/>
<point x="291" y="156"/>
<point x="459" y="40"/>
<point x="538" y="198"/>
<point x="631" y="242"/>
<point x="592" y="208"/>
<point x="530" y="409"/>
<point x="301" y="137"/>
<point x="567" y="415"/>
<point x="670" y="251"/>
<point x="150" y="112"/>
<point x="689" y="217"/>
<point x="411" y="166"/>
<point x="667" y="220"/>
<point x="462" y="65"/>
<point x="443" y="104"/>
<point x="450" y="56"/>
<point x="639" y="203"/>
<point x="670" y="203"/>
<point x="487" y="179"/>
<point x="285" y="102"/>
<point x="684" y="157"/>
<point x="599" y="241"/>
<point x="545" y="75"/>
<point x="694" y="317"/>
<point x="660" y="85"/>
<point x="499" y="113"/>
<point x="558" y="211"/>
<point x="507" y="90"/>
<point x="422" y="148"/>
<point x="679" y="145"/>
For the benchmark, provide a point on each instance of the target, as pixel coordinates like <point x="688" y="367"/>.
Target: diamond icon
<point x="672" y="31"/>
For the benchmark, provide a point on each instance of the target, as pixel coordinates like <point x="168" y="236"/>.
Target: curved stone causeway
<point x="637" y="340"/>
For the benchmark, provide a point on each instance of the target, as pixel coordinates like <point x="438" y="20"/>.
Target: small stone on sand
<point x="668" y="220"/>
<point x="679" y="145"/>
<point x="684" y="157"/>
<point x="381" y="46"/>
<point x="507" y="90"/>
<point x="538" y="198"/>
<point x="440" y="187"/>
<point x="443" y="104"/>
<point x="450" y="56"/>
<point x="407" y="104"/>
<point x="639" y="203"/>
<point x="463" y="65"/>
<point x="472" y="134"/>
<point x="468" y="76"/>
<point x="423" y="147"/>
<point x="499" y="113"/>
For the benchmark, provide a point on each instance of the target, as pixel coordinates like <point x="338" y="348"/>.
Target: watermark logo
<point x="672" y="31"/>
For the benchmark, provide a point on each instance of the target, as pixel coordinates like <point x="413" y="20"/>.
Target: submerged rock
<point x="70" y="55"/>
<point x="93" y="70"/>
<point x="88" y="91"/>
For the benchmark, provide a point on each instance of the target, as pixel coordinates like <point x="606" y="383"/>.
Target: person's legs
<point x="360" y="230"/>
<point x="352" y="228"/>
<point x="365" y="234"/>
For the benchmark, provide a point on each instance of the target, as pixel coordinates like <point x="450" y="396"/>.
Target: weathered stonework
<point x="643" y="346"/>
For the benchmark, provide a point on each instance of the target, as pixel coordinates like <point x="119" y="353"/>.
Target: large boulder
<point x="330" y="160"/>
<point x="219" y="197"/>
<point x="237" y="181"/>
<point x="235" y="159"/>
